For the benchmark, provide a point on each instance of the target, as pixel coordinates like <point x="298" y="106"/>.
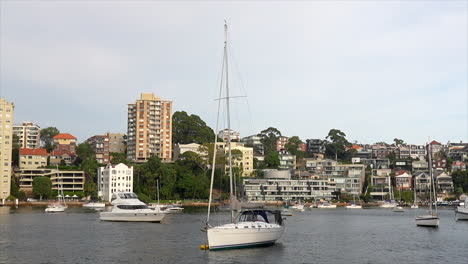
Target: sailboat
<point x="354" y="205"/>
<point x="249" y="227"/>
<point x="60" y="205"/>
<point x="415" y="204"/>
<point x="398" y="207"/>
<point x="391" y="203"/>
<point x="431" y="219"/>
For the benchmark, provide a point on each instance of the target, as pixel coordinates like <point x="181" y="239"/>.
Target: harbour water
<point x="28" y="235"/>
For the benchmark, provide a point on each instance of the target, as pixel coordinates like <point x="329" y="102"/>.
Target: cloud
<point x="375" y="70"/>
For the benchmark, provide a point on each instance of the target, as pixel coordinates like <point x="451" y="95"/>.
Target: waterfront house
<point x="32" y="158"/>
<point x="422" y="182"/>
<point x="444" y="182"/>
<point x="403" y="180"/>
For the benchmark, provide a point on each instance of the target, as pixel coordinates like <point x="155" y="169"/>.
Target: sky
<point x="376" y="70"/>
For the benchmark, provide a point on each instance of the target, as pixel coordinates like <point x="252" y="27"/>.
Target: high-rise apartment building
<point x="6" y="145"/>
<point x="29" y="135"/>
<point x="149" y="129"/>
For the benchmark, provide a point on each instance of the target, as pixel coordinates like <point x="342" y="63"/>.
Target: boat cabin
<point x="266" y="216"/>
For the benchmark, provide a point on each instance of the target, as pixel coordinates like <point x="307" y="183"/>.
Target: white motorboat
<point x="326" y="205"/>
<point x="414" y="206"/>
<point x="56" y="207"/>
<point x="354" y="206"/>
<point x="174" y="209"/>
<point x="462" y="210"/>
<point x="94" y="205"/>
<point x="298" y="207"/>
<point x="398" y="208"/>
<point x="287" y="212"/>
<point x="127" y="208"/>
<point x="431" y="219"/>
<point x="252" y="227"/>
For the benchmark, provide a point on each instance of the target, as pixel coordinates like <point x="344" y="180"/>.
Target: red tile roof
<point x="64" y="136"/>
<point x="37" y="152"/>
<point x="433" y="142"/>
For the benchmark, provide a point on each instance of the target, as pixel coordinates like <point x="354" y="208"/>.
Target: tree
<point x="269" y="137"/>
<point x="337" y="145"/>
<point x="47" y="137"/>
<point x="190" y="129"/>
<point x="272" y="160"/>
<point x="399" y="142"/>
<point x="14" y="189"/>
<point x="15" y="150"/>
<point x="116" y="158"/>
<point x="84" y="151"/>
<point x="294" y="147"/>
<point x="460" y="180"/>
<point x="42" y="187"/>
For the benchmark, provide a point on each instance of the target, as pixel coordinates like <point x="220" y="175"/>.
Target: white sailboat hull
<point x="398" y="209"/>
<point x="55" y="209"/>
<point x="94" y="205"/>
<point x="353" y="206"/>
<point x="331" y="206"/>
<point x="243" y="234"/>
<point x="388" y="205"/>
<point x="462" y="213"/>
<point x="427" y="220"/>
<point x="132" y="217"/>
<point x="414" y="206"/>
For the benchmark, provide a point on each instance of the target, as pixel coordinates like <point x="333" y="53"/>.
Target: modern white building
<point x="29" y="135"/>
<point x="278" y="186"/>
<point x="114" y="178"/>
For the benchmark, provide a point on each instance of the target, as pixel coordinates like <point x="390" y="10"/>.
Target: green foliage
<point x="399" y="142"/>
<point x="15" y="150"/>
<point x="14" y="189"/>
<point x="272" y="160"/>
<point x="336" y="147"/>
<point x="269" y="137"/>
<point x="294" y="147"/>
<point x="143" y="197"/>
<point x="84" y="151"/>
<point x="116" y="158"/>
<point x="460" y="181"/>
<point x="190" y="129"/>
<point x="47" y="135"/>
<point x="42" y="187"/>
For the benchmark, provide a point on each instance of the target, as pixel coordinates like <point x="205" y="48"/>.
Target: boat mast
<point x="431" y="174"/>
<point x="228" y="115"/>
<point x="213" y="166"/>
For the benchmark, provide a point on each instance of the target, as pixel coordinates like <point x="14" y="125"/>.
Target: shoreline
<point x="188" y="204"/>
